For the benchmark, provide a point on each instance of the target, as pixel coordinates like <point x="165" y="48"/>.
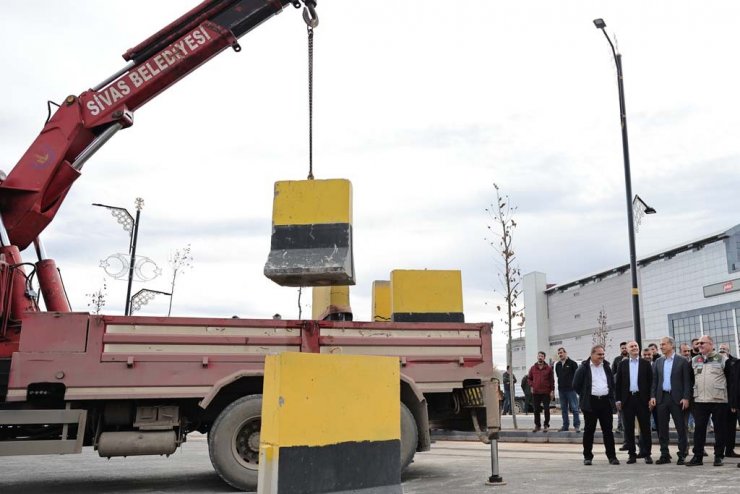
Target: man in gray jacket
<point x="670" y="395"/>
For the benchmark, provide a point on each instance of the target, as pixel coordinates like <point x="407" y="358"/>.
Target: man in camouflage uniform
<point x="710" y="399"/>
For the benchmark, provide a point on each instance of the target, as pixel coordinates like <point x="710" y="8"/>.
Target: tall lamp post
<point x="600" y="24"/>
<point x="131" y="225"/>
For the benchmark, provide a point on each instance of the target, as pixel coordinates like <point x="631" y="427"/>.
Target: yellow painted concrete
<point x="426" y="291"/>
<point x="311" y="202"/>
<point x="325" y="296"/>
<point x="381" y="301"/>
<point x="314" y="400"/>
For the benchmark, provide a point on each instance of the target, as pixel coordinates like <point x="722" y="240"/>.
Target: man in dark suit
<point x="633" y="381"/>
<point x="670" y="395"/>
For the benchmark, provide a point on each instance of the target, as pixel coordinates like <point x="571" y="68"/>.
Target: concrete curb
<point x="520" y="436"/>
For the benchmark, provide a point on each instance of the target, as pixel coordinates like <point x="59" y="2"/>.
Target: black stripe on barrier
<point x="328" y="235"/>
<point x="428" y="317"/>
<point x="339" y="467"/>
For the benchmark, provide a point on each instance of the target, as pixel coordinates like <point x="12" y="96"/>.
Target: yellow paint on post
<point x="311" y="202"/>
<point x="327" y="300"/>
<point x="426" y="291"/>
<point x="381" y="301"/>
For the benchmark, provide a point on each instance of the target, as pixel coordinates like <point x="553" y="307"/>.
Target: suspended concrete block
<point x="330" y="424"/>
<point x="426" y="296"/>
<point x="311" y="234"/>
<point x="381" y="310"/>
<point x="331" y="303"/>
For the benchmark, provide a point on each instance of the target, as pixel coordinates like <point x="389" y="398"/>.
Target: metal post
<point x="630" y="214"/>
<point x="133" y="261"/>
<point x="635" y="292"/>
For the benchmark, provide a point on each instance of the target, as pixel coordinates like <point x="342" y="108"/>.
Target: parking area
<point x="450" y="467"/>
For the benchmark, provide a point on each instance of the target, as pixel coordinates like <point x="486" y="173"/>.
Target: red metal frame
<point x="71" y="350"/>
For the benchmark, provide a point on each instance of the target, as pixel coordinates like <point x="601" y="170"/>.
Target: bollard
<point x="330" y="424"/>
<point x="330" y="303"/>
<point x="311" y="242"/>
<point x="426" y="296"/>
<point x="381" y="310"/>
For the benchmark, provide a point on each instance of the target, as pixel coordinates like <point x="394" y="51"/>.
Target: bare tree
<point x="501" y="215"/>
<point x="180" y="261"/>
<point x="96" y="300"/>
<point x="601" y="334"/>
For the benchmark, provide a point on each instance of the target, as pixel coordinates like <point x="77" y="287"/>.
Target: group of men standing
<point x="708" y="383"/>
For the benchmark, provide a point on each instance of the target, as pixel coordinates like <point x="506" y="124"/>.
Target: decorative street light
<point x="600" y="24"/>
<point x="131" y="225"/>
<point x="143" y="297"/>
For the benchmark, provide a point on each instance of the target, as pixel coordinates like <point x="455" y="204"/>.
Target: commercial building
<point x="685" y="291"/>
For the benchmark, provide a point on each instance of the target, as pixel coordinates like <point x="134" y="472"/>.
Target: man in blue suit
<point x="671" y="390"/>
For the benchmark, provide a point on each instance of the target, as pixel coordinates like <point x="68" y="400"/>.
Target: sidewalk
<point x="524" y="434"/>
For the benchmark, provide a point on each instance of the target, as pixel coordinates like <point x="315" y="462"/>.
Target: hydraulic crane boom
<point x="33" y="191"/>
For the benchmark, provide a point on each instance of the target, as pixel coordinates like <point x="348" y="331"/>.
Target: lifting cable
<point x="311" y="20"/>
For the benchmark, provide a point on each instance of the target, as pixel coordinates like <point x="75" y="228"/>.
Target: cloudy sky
<point x="423" y="106"/>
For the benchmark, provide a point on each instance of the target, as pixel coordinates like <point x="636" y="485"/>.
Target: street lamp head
<point x="599" y="23"/>
<point x="650" y="210"/>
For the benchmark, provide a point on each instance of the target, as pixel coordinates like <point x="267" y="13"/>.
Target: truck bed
<point x="116" y="357"/>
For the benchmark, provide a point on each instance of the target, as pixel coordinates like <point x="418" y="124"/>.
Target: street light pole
<point x="600" y="24"/>
<point x="130" y="225"/>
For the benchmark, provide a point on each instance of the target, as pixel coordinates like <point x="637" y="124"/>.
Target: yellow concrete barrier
<point x="331" y="303"/>
<point x="426" y="296"/>
<point x="381" y="310"/>
<point x="330" y="424"/>
<point x="311" y="234"/>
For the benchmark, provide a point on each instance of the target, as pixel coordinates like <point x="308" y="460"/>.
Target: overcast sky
<point x="423" y="106"/>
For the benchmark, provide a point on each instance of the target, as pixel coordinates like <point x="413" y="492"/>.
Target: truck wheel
<point x="234" y="442"/>
<point x="409" y="437"/>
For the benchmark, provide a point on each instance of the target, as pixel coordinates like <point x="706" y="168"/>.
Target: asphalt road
<point x="451" y="467"/>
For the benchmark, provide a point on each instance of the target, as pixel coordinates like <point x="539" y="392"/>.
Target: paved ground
<point x="451" y="467"/>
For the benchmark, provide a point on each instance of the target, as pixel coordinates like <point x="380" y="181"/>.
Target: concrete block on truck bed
<point x="331" y="303"/>
<point x="381" y="301"/>
<point x="426" y="296"/>
<point x="311" y="234"/>
<point x="330" y="424"/>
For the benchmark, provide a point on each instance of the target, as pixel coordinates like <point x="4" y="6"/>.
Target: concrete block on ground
<point x="330" y="424"/>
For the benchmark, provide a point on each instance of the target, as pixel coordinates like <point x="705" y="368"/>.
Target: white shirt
<point x="599" y="386"/>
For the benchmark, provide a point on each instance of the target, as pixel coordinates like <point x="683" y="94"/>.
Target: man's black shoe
<point x="738" y="465"/>
<point x="587" y="462"/>
<point x="613" y="461"/>
<point x="681" y="461"/>
<point x="563" y="429"/>
<point x="704" y="453"/>
<point x="662" y="460"/>
<point x="695" y="461"/>
<point x="642" y="455"/>
<point x="649" y="460"/>
<point x="731" y="454"/>
<point x="632" y="459"/>
<point x="624" y="447"/>
<point x="717" y="461"/>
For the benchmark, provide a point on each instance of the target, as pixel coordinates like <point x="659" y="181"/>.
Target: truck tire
<point x="409" y="437"/>
<point x="234" y="441"/>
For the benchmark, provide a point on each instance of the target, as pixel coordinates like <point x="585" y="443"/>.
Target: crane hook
<point x="309" y="14"/>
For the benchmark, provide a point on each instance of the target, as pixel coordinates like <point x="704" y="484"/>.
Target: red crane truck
<point x="138" y="385"/>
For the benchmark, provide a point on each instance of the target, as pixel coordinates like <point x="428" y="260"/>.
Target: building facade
<point x="685" y="291"/>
